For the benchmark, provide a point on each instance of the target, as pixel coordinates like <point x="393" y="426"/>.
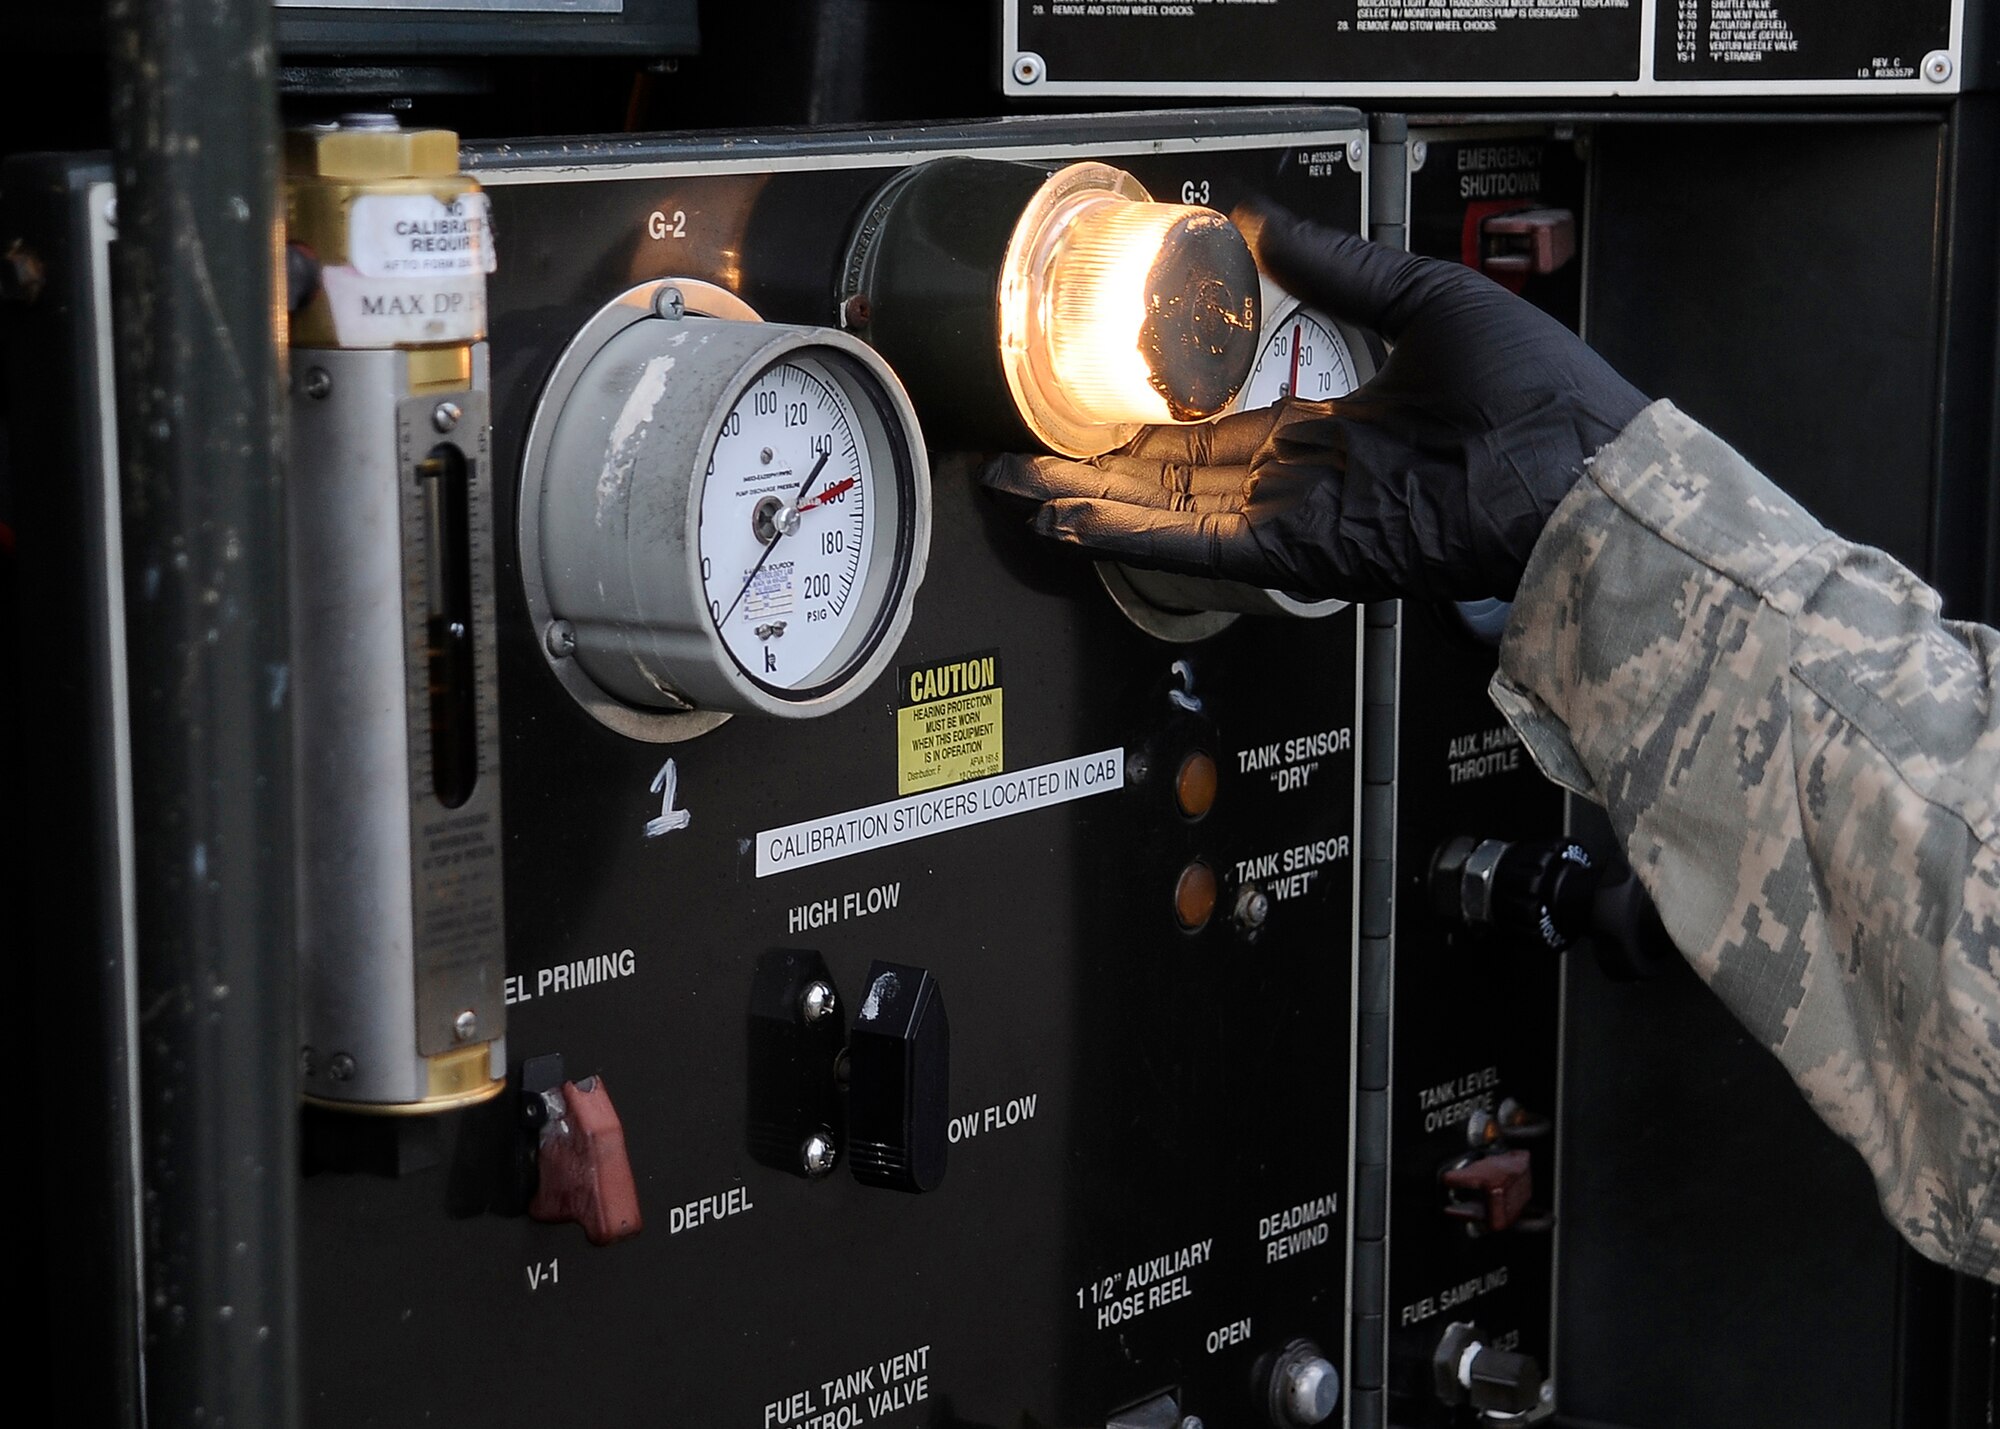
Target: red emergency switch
<point x="585" y="1175"/>
<point x="1527" y="241"/>
<point x="1490" y="1192"/>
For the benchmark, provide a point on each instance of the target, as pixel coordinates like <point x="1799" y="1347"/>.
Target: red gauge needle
<point x="1293" y="389"/>
<point x="832" y="493"/>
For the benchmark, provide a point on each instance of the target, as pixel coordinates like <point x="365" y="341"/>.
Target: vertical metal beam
<point x="198" y="329"/>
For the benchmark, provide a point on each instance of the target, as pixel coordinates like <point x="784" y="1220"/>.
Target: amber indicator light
<point x="1194" y="786"/>
<point x="1194" y="895"/>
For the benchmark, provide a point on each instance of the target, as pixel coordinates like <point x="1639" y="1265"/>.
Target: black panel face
<point x="1478" y="1025"/>
<point x="1148" y="1170"/>
<point x="1726" y="274"/>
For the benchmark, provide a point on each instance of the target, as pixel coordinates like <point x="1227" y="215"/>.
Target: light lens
<point x="1116" y="312"/>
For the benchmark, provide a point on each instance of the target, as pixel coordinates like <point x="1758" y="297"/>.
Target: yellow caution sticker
<point x="948" y="722"/>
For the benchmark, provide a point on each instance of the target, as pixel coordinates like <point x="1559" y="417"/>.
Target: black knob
<point x="1466" y="1370"/>
<point x="1553" y="892"/>
<point x="898" y="1059"/>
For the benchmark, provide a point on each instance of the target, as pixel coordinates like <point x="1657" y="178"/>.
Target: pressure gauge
<point x="1301" y="352"/>
<point x="725" y="515"/>
<point x="1302" y="355"/>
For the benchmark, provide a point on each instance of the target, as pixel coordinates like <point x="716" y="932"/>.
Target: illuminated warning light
<point x="1194" y="896"/>
<point x="1117" y="312"/>
<point x="1194" y="785"/>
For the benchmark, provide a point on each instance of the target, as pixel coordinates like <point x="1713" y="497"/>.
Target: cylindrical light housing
<point x="1065" y="303"/>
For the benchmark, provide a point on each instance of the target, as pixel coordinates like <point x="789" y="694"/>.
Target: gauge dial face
<point x="789" y="517"/>
<point x="1304" y="355"/>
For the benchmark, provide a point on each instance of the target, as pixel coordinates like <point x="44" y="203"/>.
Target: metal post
<point x="199" y="324"/>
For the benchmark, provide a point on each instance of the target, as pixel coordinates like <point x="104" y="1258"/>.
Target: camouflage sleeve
<point x="1803" y="760"/>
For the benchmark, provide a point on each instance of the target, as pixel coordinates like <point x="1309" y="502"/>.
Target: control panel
<point x="928" y="966"/>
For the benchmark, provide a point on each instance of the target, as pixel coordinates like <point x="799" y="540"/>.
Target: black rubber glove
<point x="1432" y="480"/>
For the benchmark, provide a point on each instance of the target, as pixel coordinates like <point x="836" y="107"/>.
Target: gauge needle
<point x="798" y="505"/>
<point x="832" y="493"/>
<point x="1293" y="389"/>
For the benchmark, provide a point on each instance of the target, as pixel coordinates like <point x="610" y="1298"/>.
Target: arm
<point x="1803" y="762"/>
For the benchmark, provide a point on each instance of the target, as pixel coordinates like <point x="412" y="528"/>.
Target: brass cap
<point x="331" y="152"/>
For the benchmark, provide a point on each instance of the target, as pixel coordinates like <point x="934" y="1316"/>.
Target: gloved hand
<point x="1432" y="480"/>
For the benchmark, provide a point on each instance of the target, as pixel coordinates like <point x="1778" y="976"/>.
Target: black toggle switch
<point x="898" y="1059"/>
<point x="1468" y="1371"/>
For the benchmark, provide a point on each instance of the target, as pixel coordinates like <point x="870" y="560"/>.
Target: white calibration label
<point x="420" y="236"/>
<point x="918" y="816"/>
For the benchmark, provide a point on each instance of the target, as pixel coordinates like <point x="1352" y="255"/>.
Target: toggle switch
<point x="1498" y="1383"/>
<point x="585" y="1174"/>
<point x="1528" y="241"/>
<point x="899" y="1062"/>
<point x="1489" y="1192"/>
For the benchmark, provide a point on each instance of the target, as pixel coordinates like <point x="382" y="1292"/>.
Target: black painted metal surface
<point x="1132" y="1102"/>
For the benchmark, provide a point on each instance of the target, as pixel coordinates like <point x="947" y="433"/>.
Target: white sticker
<point x="388" y="312"/>
<point x="418" y="236"/>
<point x="918" y="816"/>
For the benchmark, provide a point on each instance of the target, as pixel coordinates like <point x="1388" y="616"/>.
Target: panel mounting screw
<point x="1356" y="152"/>
<point x="817" y="1155"/>
<point x="446" y="416"/>
<point x="341" y="1068"/>
<point x="560" y="639"/>
<point x="1937" y="66"/>
<point x="316" y="383"/>
<point x="1027" y="68"/>
<point x="465" y="1026"/>
<point x="817" y="1001"/>
<point x="308" y="1062"/>
<point x="856" y="311"/>
<point x="669" y="303"/>
<point x="1419" y="151"/>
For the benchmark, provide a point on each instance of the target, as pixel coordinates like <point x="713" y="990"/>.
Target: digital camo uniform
<point x="1803" y="761"/>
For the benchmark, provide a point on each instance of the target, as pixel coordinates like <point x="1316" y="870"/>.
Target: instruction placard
<point x="948" y="722"/>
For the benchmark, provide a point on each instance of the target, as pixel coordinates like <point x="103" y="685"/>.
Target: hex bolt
<point x="308" y="1062"/>
<point x="1253" y="907"/>
<point x="669" y="303"/>
<point x="341" y="1068"/>
<point x="1937" y="66"/>
<point x="316" y="383"/>
<point x="446" y="416"/>
<point x="817" y="1156"/>
<point x="817" y="1001"/>
<point x="560" y="639"/>
<point x="1027" y="69"/>
<point x="465" y="1026"/>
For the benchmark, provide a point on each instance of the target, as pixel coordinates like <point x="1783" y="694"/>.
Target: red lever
<point x="1491" y="1191"/>
<point x="585" y="1175"/>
